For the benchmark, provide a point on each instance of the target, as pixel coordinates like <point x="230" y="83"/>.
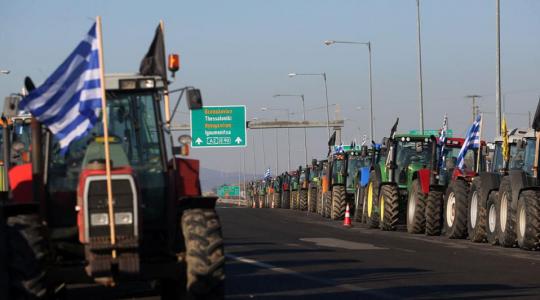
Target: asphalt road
<point x="281" y="254"/>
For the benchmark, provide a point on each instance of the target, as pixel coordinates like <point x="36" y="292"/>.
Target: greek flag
<point x="472" y="141"/>
<point x="442" y="141"/>
<point x="69" y="101"/>
<point x="267" y="174"/>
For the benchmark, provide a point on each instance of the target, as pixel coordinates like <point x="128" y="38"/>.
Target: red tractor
<point x="163" y="230"/>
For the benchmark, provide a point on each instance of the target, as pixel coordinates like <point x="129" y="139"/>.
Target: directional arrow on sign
<point x="198" y="141"/>
<point x="238" y="140"/>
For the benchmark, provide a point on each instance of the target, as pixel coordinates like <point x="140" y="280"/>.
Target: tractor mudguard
<point x="490" y="181"/>
<point x="20" y="181"/>
<point x="518" y="181"/>
<point x="424" y="177"/>
<point x="188" y="183"/>
<point x="364" y="176"/>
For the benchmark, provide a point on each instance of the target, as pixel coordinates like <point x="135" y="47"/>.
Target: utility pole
<point x="498" y="70"/>
<point x="475" y="108"/>
<point x="420" y="67"/>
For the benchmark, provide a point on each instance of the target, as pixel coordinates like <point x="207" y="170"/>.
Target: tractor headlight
<point x="101" y="219"/>
<point x="123" y="218"/>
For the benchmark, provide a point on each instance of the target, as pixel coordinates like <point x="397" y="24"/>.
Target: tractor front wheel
<point x="327" y="199"/>
<point x="455" y="210"/>
<point x="416" y="214"/>
<point x="205" y="257"/>
<point x="389" y="207"/>
<point x="528" y="220"/>
<point x="492" y="228"/>
<point x="477" y="212"/>
<point x="338" y="202"/>
<point x="371" y="198"/>
<point x="312" y="200"/>
<point x="359" y="204"/>
<point x="507" y="221"/>
<point x="303" y="200"/>
<point x="277" y="200"/>
<point x="434" y="208"/>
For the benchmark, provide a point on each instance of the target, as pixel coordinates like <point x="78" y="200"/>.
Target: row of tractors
<point x="412" y="182"/>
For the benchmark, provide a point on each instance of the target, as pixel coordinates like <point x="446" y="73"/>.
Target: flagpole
<point x="165" y="83"/>
<point x="106" y="135"/>
<point x="479" y="144"/>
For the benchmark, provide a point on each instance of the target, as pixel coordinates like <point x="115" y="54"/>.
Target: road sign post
<point x="218" y="126"/>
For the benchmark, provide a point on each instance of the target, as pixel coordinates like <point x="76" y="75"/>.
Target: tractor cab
<point x="304" y="177"/>
<point x="338" y="167"/>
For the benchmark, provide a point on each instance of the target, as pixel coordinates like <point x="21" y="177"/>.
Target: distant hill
<point x="214" y="178"/>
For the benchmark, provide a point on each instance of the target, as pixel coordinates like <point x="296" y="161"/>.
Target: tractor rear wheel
<point x="205" y="257"/>
<point x="371" y="198"/>
<point x="507" y="214"/>
<point x="528" y="220"/>
<point x="277" y="200"/>
<point x="26" y="253"/>
<point x="359" y="204"/>
<point x="327" y="199"/>
<point x="477" y="212"/>
<point x="434" y="209"/>
<point x="303" y="200"/>
<point x="338" y="202"/>
<point x="286" y="199"/>
<point x="455" y="210"/>
<point x="319" y="202"/>
<point x="312" y="200"/>
<point x="389" y="207"/>
<point x="416" y="212"/>
<point x="294" y="200"/>
<point x="492" y="228"/>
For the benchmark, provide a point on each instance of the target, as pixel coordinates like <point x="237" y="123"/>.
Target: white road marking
<point x="343" y="244"/>
<point x="331" y="283"/>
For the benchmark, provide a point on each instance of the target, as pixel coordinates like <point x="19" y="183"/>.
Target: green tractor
<point x="285" y="190"/>
<point x="397" y="188"/>
<point x="314" y="173"/>
<point x="276" y="187"/>
<point x="338" y="180"/>
<point x="295" y="203"/>
<point x="303" y="181"/>
<point x="323" y="189"/>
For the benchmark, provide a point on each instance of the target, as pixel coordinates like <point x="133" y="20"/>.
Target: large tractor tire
<point x="319" y="202"/>
<point x="327" y="199"/>
<point x="205" y="256"/>
<point x="416" y="209"/>
<point x="528" y="220"/>
<point x="358" y="204"/>
<point x="389" y="207"/>
<point x="312" y="200"/>
<point x="338" y="202"/>
<point x="277" y="200"/>
<point x="434" y="210"/>
<point x="507" y="214"/>
<point x="455" y="210"/>
<point x="371" y="198"/>
<point x="492" y="227"/>
<point x="26" y="253"/>
<point x="476" y="220"/>
<point x="286" y="201"/>
<point x="294" y="200"/>
<point x="303" y="200"/>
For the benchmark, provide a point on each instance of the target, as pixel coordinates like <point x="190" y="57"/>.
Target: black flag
<point x="332" y="140"/>
<point x="536" y="121"/>
<point x="153" y="62"/>
<point x="394" y="128"/>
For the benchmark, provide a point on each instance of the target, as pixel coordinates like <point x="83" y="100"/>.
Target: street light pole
<point x="303" y="117"/>
<point x="368" y="44"/>
<point x="326" y="93"/>
<point x="498" y="70"/>
<point x="420" y="66"/>
<point x="288" y="132"/>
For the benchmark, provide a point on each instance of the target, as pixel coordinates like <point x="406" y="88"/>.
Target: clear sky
<point x="240" y="52"/>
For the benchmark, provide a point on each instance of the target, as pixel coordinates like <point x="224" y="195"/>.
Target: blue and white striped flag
<point x="472" y="141"/>
<point x="442" y="141"/>
<point x="69" y="101"/>
<point x="267" y="174"/>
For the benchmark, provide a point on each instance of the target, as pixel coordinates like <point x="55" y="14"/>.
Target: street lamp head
<point x="329" y="42"/>
<point x="5" y="72"/>
<point x="292" y="74"/>
<point x="264" y="108"/>
<point x="254" y="118"/>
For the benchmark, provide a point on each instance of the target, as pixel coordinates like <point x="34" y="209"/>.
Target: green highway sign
<point x="435" y="132"/>
<point x="226" y="191"/>
<point x="218" y="126"/>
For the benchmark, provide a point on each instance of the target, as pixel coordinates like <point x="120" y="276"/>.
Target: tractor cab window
<point x="338" y="165"/>
<point x="21" y="140"/>
<point x="412" y="152"/>
<point x="355" y="162"/>
<point x="517" y="158"/>
<point x="134" y="139"/>
<point x="530" y="150"/>
<point x="497" y="159"/>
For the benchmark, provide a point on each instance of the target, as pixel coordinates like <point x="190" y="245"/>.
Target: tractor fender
<point x="489" y="182"/>
<point x="424" y="176"/>
<point x="197" y="202"/>
<point x="518" y="181"/>
<point x="364" y="176"/>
